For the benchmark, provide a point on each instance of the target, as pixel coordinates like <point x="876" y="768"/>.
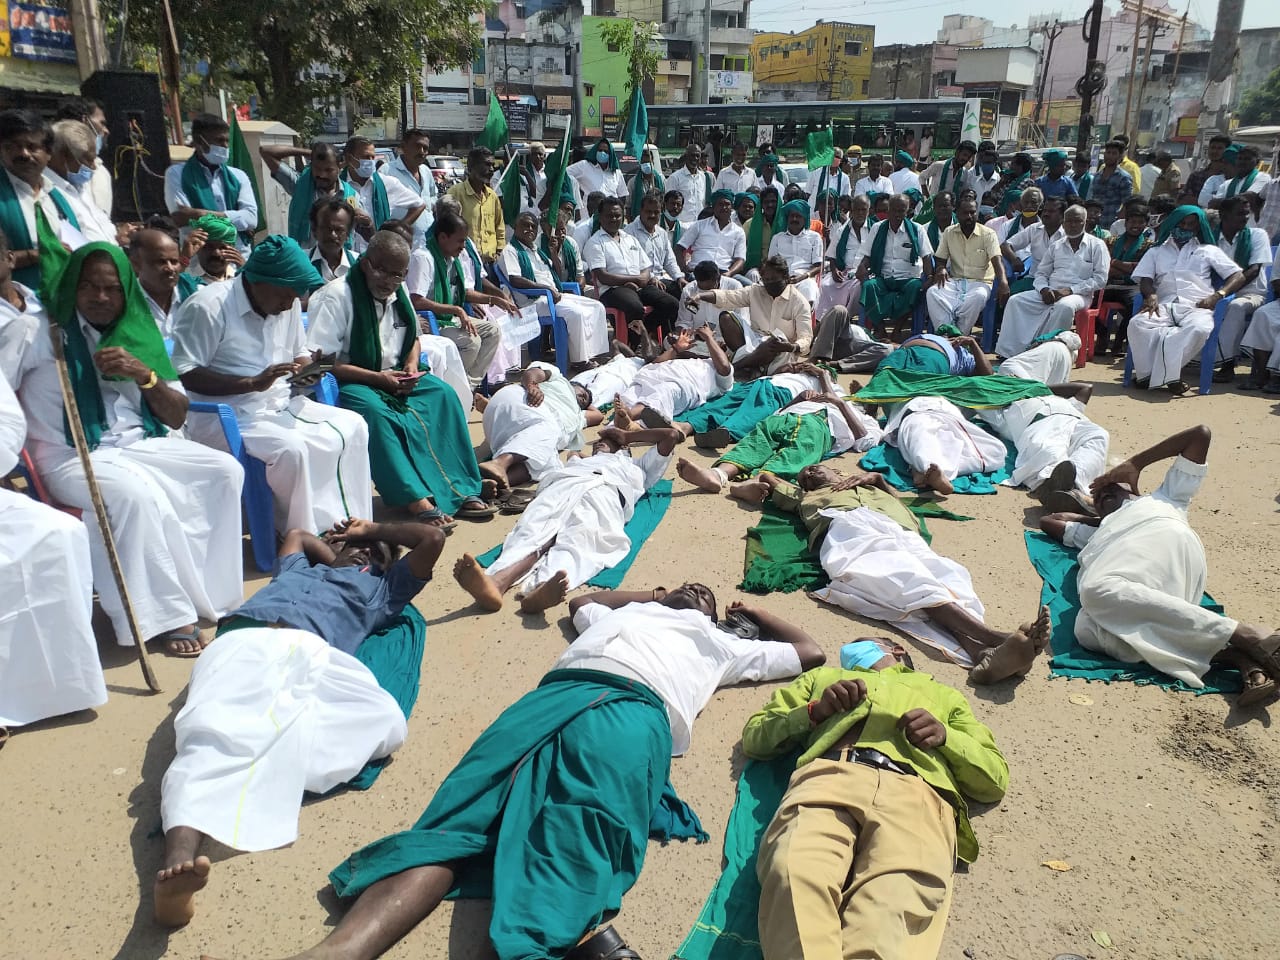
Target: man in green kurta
<point x="420" y="452"/>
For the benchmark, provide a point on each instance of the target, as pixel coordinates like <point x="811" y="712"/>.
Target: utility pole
<point x="1142" y="87"/>
<point x="1051" y="33"/>
<point x="1216" y="106"/>
<point x="897" y="69"/>
<point x="706" y="46"/>
<point x="1133" y="64"/>
<point x="1094" y="79"/>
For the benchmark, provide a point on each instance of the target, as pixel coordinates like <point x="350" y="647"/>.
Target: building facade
<point x="829" y="61"/>
<point x="920" y="71"/>
<point x="47" y="49"/>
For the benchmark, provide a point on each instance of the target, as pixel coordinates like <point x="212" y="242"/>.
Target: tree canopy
<point x="1261" y="105"/>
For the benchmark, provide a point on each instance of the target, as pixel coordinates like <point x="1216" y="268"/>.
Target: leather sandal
<point x="604" y="944"/>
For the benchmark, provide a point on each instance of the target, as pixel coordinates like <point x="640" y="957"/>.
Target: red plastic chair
<point x="28" y="470"/>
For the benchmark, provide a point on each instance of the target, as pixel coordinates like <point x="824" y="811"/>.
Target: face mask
<point x="99" y="141"/>
<point x="1182" y="235"/>
<point x="1030" y="214"/>
<point x="80" y="176"/>
<point x="860" y="653"/>
<point x="602" y="157"/>
<point x="775" y="287"/>
<point x="646" y="168"/>
<point x="366" y="168"/>
<point x="217" y="155"/>
<point x="987" y="169"/>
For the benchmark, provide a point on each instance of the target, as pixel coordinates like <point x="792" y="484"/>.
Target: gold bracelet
<point x="150" y="383"/>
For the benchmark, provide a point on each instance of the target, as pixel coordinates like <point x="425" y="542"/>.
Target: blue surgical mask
<point x="366" y="168"/>
<point x="1182" y="234"/>
<point x="99" y="141"/>
<point x="602" y="156"/>
<point x="987" y="169"/>
<point x="80" y="176"/>
<point x="861" y="653"/>
<point x="646" y="168"/>
<point x="217" y="155"/>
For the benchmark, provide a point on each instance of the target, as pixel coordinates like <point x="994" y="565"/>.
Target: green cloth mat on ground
<point x="649" y="512"/>
<point x="778" y="557"/>
<point x="887" y="459"/>
<point x="976" y="393"/>
<point x="1057" y="567"/>
<point x="727" y="927"/>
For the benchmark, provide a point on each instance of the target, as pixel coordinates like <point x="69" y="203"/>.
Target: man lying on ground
<point x="729" y="418"/>
<point x="556" y="796"/>
<point x="942" y="353"/>
<point x="279" y="704"/>
<point x="677" y="381"/>
<point x="575" y="526"/>
<point x="939" y="443"/>
<point x="859" y="858"/>
<point x="1143" y="571"/>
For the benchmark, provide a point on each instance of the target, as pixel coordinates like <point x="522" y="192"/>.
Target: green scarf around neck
<point x="52" y="253"/>
<point x="881" y="241"/>
<point x="526" y="262"/>
<point x="1127" y="253"/>
<point x="447" y="285"/>
<point x="673" y="226"/>
<point x="639" y="189"/>
<point x="473" y="255"/>
<point x="1242" y="184"/>
<point x="842" y="247"/>
<point x="567" y="255"/>
<point x="381" y="211"/>
<point x="366" y="340"/>
<point x="955" y="170"/>
<point x="304" y="198"/>
<point x="1243" y="252"/>
<point x="757" y="242"/>
<point x="199" y="190"/>
<point x="135" y="331"/>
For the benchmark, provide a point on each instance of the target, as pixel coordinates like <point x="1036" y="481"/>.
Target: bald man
<point x="155" y="257"/>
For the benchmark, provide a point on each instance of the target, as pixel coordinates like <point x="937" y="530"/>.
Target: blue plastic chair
<point x="559" y="331"/>
<point x="432" y="323"/>
<point x="1208" y="354"/>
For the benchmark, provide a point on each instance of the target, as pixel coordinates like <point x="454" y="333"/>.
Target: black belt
<point x="868" y="757"/>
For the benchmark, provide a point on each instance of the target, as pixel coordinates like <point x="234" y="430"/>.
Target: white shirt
<point x="730" y="179"/>
<point x="327" y="273"/>
<point x="1083" y="270"/>
<point x="705" y="240"/>
<point x="823" y="179"/>
<point x="422" y="273"/>
<point x="332" y="311"/>
<point x="18" y="331"/>
<point x="982" y="186"/>
<point x="694" y="188"/>
<point x="94" y="224"/>
<point x="1033" y="241"/>
<point x="621" y="254"/>
<point x="400" y="200"/>
<point x="1260" y="255"/>
<point x="1185" y="273"/>
<point x="696" y="313"/>
<point x="510" y="258"/>
<point x="679" y="654"/>
<point x="1171" y="499"/>
<point x="101" y="189"/>
<point x="904" y="180"/>
<point x="1259" y="182"/>
<point x="897" y="251"/>
<point x="802" y="250"/>
<point x="692" y="381"/>
<point x="164" y="318"/>
<point x="1210" y="189"/>
<point x="245" y="215"/>
<point x="426" y="192"/>
<point x="581" y="232"/>
<point x="13" y="427"/>
<point x="657" y="248"/>
<point x="218" y="329"/>
<point x="27" y="201"/>
<point x="592" y="177"/>
<point x="867" y="185"/>
<point x="932" y="178"/>
<point x="852" y="250"/>
<point x="842" y="437"/>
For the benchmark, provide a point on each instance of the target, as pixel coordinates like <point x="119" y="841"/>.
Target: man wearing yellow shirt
<point x="859" y="858"/>
<point x="481" y="206"/>
<point x="1127" y="163"/>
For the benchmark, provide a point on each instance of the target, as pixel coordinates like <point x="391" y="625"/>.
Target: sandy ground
<point x="1164" y="804"/>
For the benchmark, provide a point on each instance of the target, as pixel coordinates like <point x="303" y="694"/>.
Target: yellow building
<point x="829" y="61"/>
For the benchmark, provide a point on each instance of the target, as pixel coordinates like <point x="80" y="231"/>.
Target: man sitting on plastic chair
<point x="968" y="261"/>
<point x="528" y="268"/>
<point x="1176" y="319"/>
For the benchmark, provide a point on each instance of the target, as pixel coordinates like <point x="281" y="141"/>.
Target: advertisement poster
<point x="41" y="30"/>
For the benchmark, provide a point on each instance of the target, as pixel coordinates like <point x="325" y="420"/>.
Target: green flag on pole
<point x="557" y="166"/>
<point x="637" y="129"/>
<point x="494" y="134"/>
<point x="512" y="188"/>
<point x="241" y="159"/>
<point x="819" y="149"/>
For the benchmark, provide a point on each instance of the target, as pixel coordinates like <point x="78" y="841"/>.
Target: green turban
<point x="1181" y="213"/>
<point x="1054" y="157"/>
<point x="218" y="229"/>
<point x="719" y="195"/>
<point x="279" y="261"/>
<point x="1231" y="152"/>
<point x="797" y="206"/>
<point x="739" y="198"/>
<point x="949" y="330"/>
<point x="905" y="158"/>
<point x="767" y="159"/>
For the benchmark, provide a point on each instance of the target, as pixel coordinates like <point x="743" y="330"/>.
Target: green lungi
<point x="739" y="410"/>
<point x="784" y="444"/>
<point x="548" y="812"/>
<point x="885" y="299"/>
<point x="419" y="447"/>
<point x="917" y="357"/>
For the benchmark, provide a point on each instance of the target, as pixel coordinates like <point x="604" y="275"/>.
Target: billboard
<point x="41" y="30"/>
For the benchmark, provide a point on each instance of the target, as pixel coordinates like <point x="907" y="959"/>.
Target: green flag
<point x="494" y="134"/>
<point x="242" y="160"/>
<point x="512" y="188"/>
<point x="819" y="149"/>
<point x="637" y="130"/>
<point x="557" y="165"/>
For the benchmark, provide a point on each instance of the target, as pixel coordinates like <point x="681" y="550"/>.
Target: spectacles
<point x="397" y="276"/>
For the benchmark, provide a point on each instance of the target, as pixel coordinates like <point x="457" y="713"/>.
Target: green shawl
<point x="470" y="250"/>
<point x="638" y="190"/>
<point x="304" y="197"/>
<point x="674" y="227"/>
<point x="1181" y="213"/>
<point x="200" y="193"/>
<point x="381" y="211"/>
<point x="567" y="254"/>
<point x="1016" y="224"/>
<point x="976" y="393"/>
<point x="1012" y="191"/>
<point x="366" y="343"/>
<point x="1243" y="252"/>
<point x="447" y="285"/>
<point x="1242" y="184"/>
<point x="52" y="252"/>
<point x="956" y="171"/>
<point x="882" y="239"/>
<point x="526" y="264"/>
<point x="757" y="243"/>
<point x="1127" y="254"/>
<point x="134" y="331"/>
<point x="842" y="246"/>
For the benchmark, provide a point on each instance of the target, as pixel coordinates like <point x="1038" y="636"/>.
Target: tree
<point x="637" y="43"/>
<point x="300" y="54"/>
<point x="1261" y="105"/>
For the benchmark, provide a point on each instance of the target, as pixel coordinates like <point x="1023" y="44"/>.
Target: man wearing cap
<point x="829" y="177"/>
<point x="951" y="175"/>
<point x="894" y="255"/>
<point x="905" y="180"/>
<point x="217" y="257"/>
<point x="1054" y="182"/>
<point x="800" y="247"/>
<point x="967" y="262"/>
<point x="716" y="238"/>
<point x="242" y="343"/>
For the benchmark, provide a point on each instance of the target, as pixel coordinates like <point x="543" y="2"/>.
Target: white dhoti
<point x="833" y="293"/>
<point x="586" y="323"/>
<point x="945" y="437"/>
<point x="1050" y="441"/>
<point x="1165" y="342"/>
<point x="175" y="514"/>
<point x="808" y="288"/>
<point x="585" y="515"/>
<point x="1026" y="317"/>
<point x="513" y="427"/>
<point x="960" y="302"/>
<point x="317" y="460"/>
<point x="1239" y="312"/>
<point x="1049" y="363"/>
<point x="1263" y="332"/>
<point x="271" y="714"/>
<point x="445" y="362"/>
<point x="608" y="381"/>
<point x="1141" y="577"/>
<point x="882" y="571"/>
<point x="48" y="656"/>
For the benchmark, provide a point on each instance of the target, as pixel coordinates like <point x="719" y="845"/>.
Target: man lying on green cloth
<point x="859" y="852"/>
<point x="285" y="699"/>
<point x="550" y="810"/>
<point x="944" y="352"/>
<point x="731" y="416"/>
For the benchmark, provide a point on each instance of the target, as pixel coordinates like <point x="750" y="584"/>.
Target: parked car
<point x="447" y="170"/>
<point x="796" y="172"/>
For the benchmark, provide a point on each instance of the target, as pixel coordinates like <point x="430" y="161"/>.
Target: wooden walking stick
<point x="99" y="508"/>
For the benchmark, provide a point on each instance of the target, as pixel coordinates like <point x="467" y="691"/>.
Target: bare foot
<point x="472" y="578"/>
<point x="175" y="891"/>
<point x="478" y="402"/>
<point x="750" y="491"/>
<point x="700" y="477"/>
<point x="492" y="470"/>
<point x="621" y="415"/>
<point x="934" y="480"/>
<point x="547" y="594"/>
<point x="1015" y="656"/>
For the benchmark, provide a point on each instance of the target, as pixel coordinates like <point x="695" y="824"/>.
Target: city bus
<point x="874" y="125"/>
